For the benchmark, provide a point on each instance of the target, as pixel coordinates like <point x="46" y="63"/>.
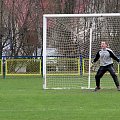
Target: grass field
<point x="24" y="99"/>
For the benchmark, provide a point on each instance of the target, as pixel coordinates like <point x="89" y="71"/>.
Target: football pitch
<point x="24" y="99"/>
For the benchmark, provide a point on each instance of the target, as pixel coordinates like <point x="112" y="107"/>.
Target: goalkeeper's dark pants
<point x="102" y="70"/>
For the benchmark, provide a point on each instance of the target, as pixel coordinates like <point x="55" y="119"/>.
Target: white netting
<point x="67" y="49"/>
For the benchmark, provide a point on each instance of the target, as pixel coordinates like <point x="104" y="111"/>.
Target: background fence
<point x="32" y="66"/>
<point x="20" y="66"/>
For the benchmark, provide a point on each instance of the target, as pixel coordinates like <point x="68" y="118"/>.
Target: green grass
<point x="24" y="99"/>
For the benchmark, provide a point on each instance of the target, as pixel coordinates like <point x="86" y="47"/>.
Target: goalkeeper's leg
<point x="101" y="71"/>
<point x="114" y="76"/>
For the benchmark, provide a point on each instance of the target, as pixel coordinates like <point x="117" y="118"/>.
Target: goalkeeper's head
<point x="104" y="45"/>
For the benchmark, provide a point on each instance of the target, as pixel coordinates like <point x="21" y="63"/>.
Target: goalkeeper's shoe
<point x="118" y="88"/>
<point x="96" y="89"/>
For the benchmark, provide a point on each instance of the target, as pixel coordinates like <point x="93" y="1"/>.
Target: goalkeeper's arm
<point x="112" y="55"/>
<point x="95" y="59"/>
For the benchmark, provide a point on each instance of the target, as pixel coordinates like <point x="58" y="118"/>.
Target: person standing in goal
<point x="106" y="57"/>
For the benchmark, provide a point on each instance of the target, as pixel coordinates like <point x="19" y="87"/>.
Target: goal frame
<point x="45" y="16"/>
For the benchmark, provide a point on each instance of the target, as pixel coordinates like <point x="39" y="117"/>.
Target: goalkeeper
<point x="106" y="57"/>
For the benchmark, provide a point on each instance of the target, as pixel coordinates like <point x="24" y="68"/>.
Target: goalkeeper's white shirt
<point x="106" y="57"/>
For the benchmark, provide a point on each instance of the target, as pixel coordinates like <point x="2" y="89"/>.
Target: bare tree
<point x="23" y="21"/>
<point x="1" y="26"/>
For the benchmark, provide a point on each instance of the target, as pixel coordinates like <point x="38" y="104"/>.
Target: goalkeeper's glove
<point x="119" y="61"/>
<point x="91" y="64"/>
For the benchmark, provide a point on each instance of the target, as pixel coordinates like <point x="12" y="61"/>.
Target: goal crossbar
<point x="83" y="15"/>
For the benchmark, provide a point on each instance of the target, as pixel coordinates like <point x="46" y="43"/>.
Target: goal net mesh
<point x="68" y="49"/>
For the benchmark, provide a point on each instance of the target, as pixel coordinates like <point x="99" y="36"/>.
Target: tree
<point x="1" y="26"/>
<point x="23" y="21"/>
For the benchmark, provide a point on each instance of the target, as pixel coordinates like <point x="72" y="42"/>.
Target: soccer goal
<point x="70" y="42"/>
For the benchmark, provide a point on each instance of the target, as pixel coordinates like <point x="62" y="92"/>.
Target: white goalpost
<point x="70" y="42"/>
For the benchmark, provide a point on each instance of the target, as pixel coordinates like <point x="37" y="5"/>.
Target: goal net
<point x="70" y="42"/>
